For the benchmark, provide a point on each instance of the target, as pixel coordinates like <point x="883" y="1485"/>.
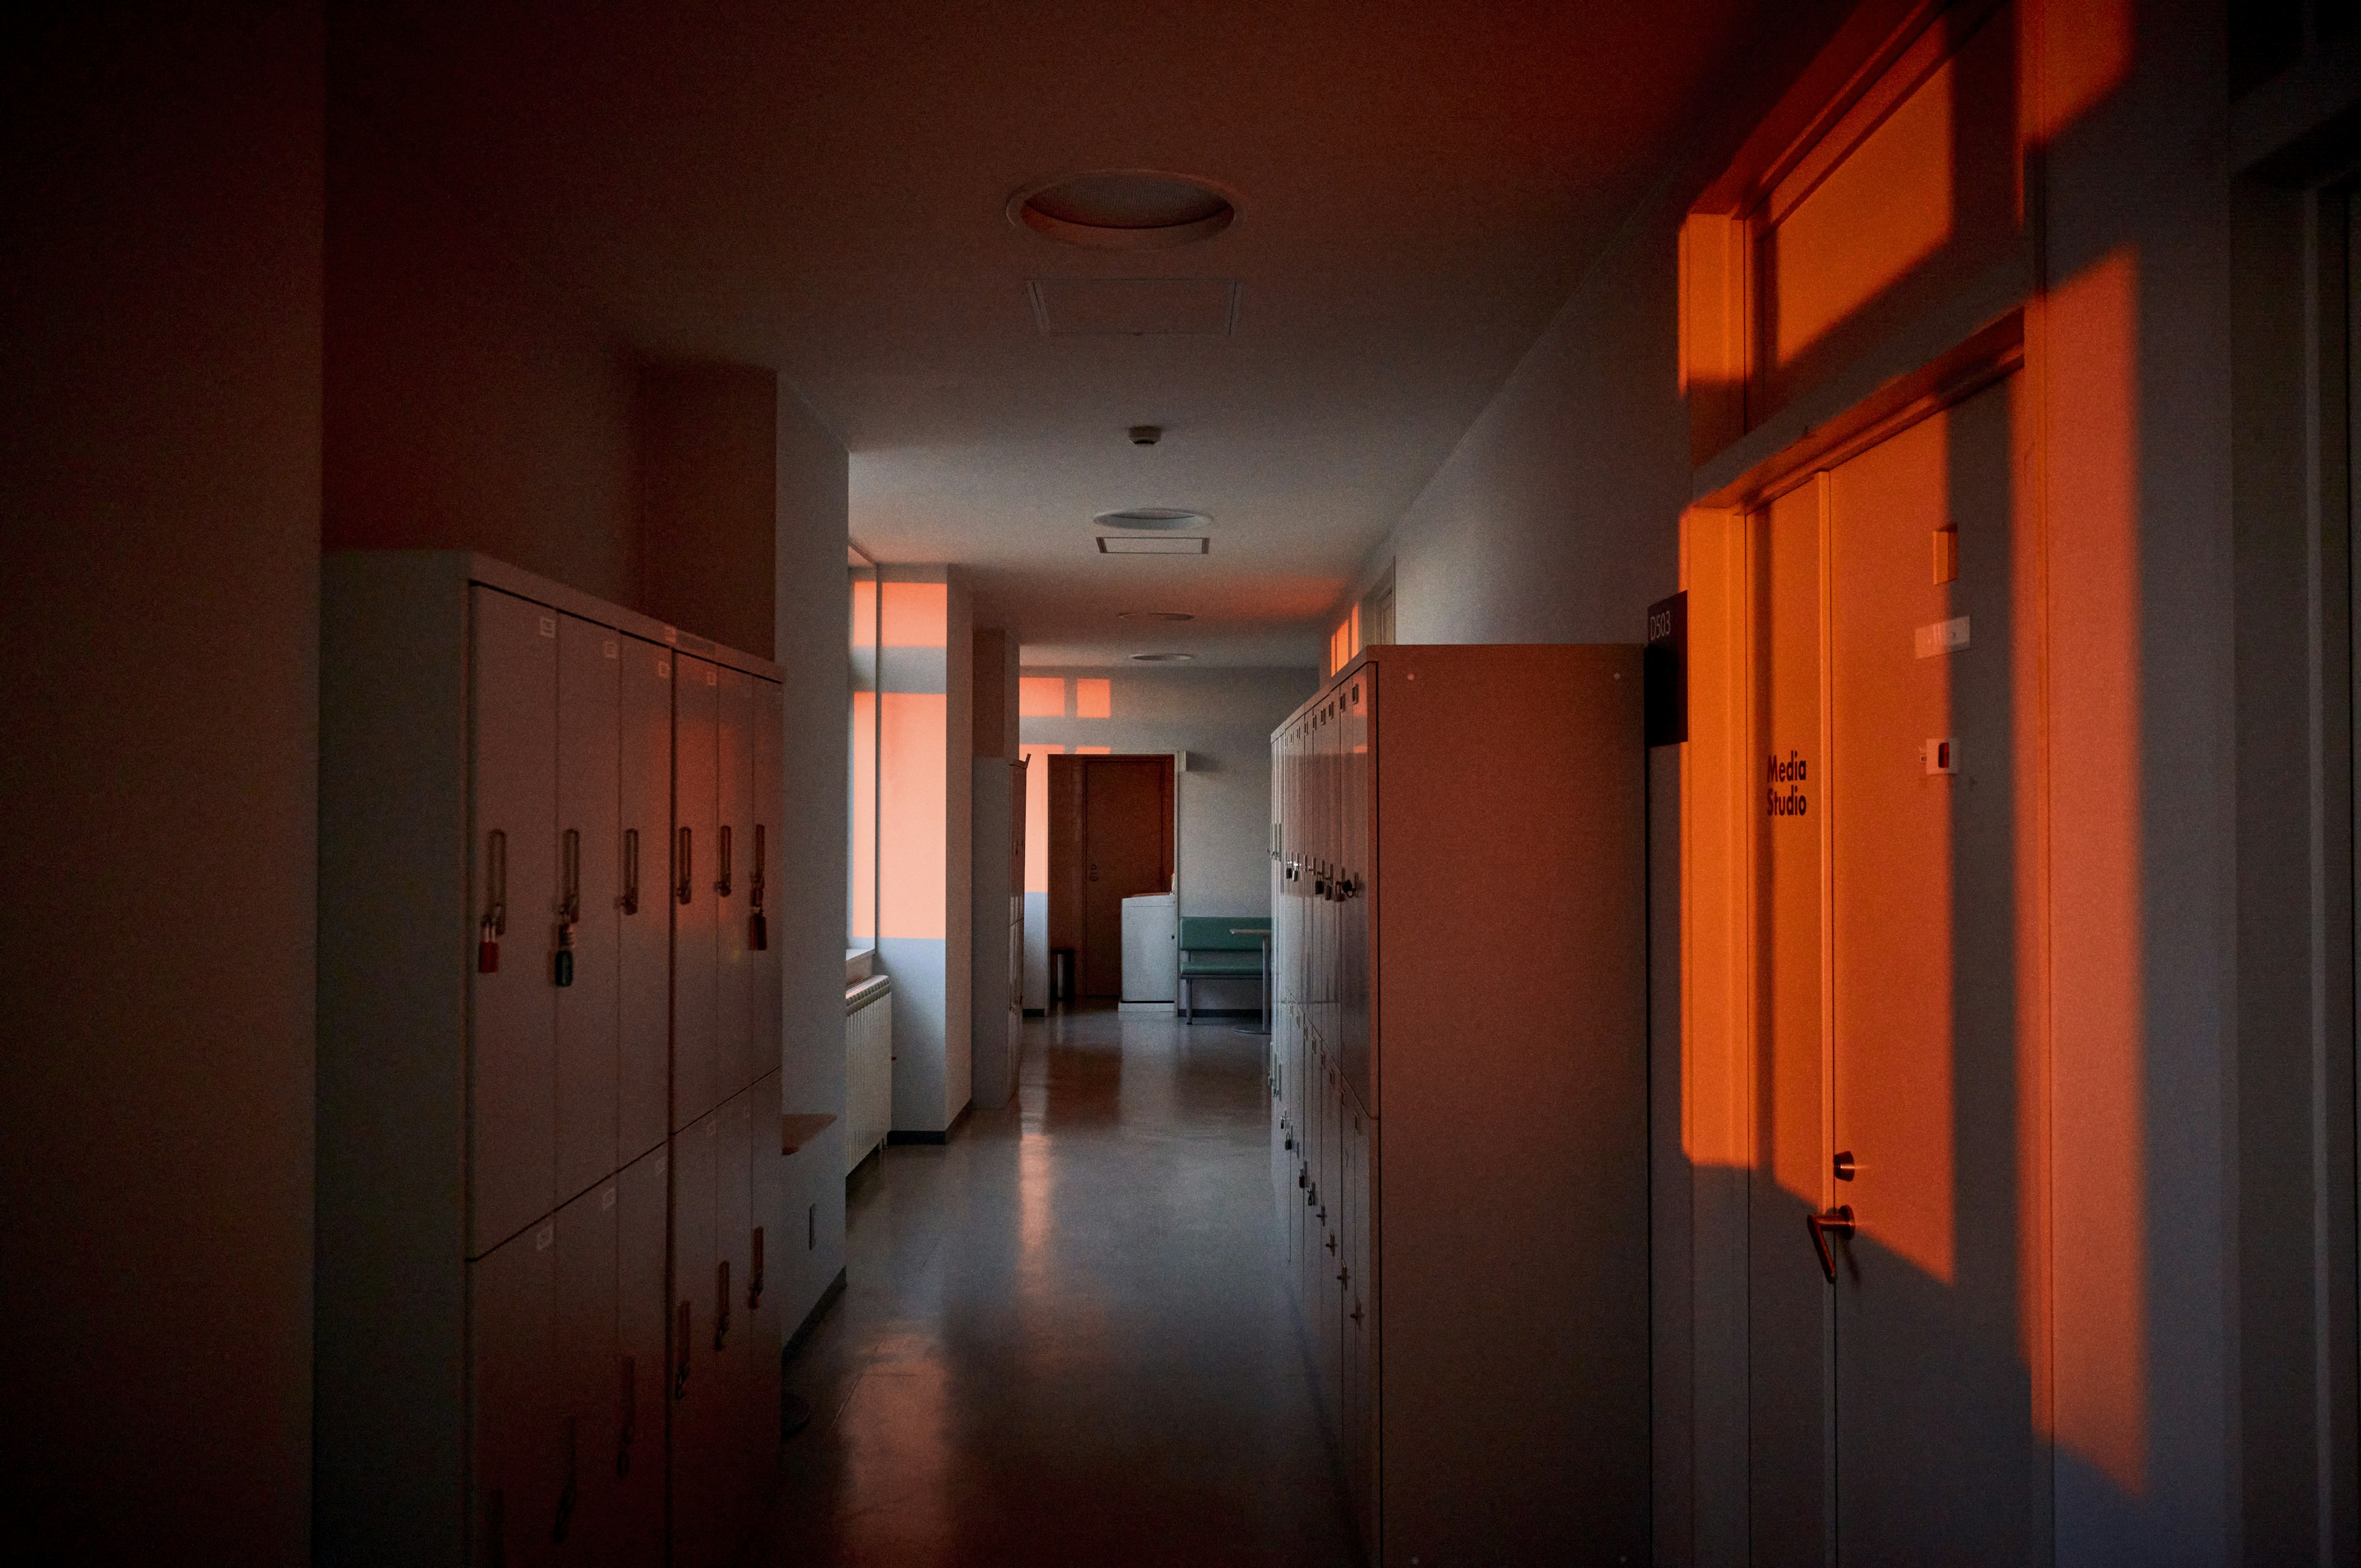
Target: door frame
<point x="1061" y="901"/>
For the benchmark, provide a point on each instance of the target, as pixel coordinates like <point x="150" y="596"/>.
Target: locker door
<point x="695" y="860"/>
<point x="778" y="1237"/>
<point x="698" y="1401"/>
<point x="735" y="1353"/>
<point x="590" y="660"/>
<point x="1326" y="1297"/>
<point x="516" y="1475"/>
<point x="587" y="1413"/>
<point x="1356" y="733"/>
<point x="734" y="781"/>
<point x="1357" y="1291"/>
<point x="644" y="907"/>
<point x="640" y="1383"/>
<point x="512" y="1012"/>
<point x="770" y="794"/>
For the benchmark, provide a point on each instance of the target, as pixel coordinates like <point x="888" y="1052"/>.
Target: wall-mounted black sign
<point x="1667" y="666"/>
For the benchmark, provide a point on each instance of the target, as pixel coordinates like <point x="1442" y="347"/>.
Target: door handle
<point x="1838" y="1220"/>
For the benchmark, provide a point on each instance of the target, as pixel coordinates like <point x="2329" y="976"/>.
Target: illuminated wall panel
<point x="926" y="738"/>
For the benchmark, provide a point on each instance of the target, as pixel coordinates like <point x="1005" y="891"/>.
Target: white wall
<point x="160" y="497"/>
<point x="809" y="525"/>
<point x="1223" y="719"/>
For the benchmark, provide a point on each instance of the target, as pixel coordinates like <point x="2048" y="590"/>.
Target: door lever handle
<point x="1839" y="1221"/>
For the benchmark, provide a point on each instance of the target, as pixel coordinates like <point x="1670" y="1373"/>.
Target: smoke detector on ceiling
<point x="1153" y="517"/>
<point x="1124" y="209"/>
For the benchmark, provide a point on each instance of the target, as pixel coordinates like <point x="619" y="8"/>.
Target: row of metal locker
<point x="622" y="985"/>
<point x="1459" y="1093"/>
<point x="1324" y="1136"/>
<point x="551" y="1169"/>
<point x="590" y="1392"/>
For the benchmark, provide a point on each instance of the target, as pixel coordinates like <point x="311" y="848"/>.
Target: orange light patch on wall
<point x="1093" y="699"/>
<point x="864" y="614"/>
<point x="2086" y="55"/>
<point x="2098" y="934"/>
<point x="862" y="901"/>
<point x="1094" y="751"/>
<point x="1040" y="696"/>
<point x="917" y="615"/>
<point x="1886" y="207"/>
<point x="913" y="813"/>
<point x="1036" y="815"/>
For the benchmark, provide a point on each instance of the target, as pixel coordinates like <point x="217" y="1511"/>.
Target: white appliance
<point x="1151" y="949"/>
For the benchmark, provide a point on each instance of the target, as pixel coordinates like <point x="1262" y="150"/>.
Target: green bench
<point x="1220" y="947"/>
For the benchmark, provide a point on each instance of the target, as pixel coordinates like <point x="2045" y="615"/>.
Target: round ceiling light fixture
<point x="1158" y="519"/>
<point x="1161" y="658"/>
<point x="1124" y="209"/>
<point x="1154" y="615"/>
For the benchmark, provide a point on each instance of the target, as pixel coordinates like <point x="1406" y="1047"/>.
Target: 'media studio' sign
<point x="1792" y="773"/>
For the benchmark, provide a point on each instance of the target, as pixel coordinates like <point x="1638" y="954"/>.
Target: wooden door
<point x="1898" y="1077"/>
<point x="1126" y="850"/>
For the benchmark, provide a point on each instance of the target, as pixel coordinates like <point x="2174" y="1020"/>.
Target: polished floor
<point x="1065" y="1338"/>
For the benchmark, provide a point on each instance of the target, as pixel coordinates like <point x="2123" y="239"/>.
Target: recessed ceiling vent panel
<point x="1153" y="545"/>
<point x="1135" y="307"/>
<point x="1124" y="209"/>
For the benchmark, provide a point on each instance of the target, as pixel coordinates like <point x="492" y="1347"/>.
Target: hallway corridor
<point x="1065" y="1338"/>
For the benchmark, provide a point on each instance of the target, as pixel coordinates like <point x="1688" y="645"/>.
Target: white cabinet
<point x="527" y="978"/>
<point x="1459" y="1094"/>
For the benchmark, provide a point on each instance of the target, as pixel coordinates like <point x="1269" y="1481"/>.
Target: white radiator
<point x="868" y="1068"/>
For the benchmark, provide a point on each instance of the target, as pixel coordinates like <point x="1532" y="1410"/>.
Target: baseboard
<point x="1036" y="1013"/>
<point x="899" y="1136"/>
<point x="827" y="1300"/>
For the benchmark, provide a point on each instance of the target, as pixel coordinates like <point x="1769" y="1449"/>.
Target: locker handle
<point x="631" y="899"/>
<point x="754" y="1285"/>
<point x="755" y="891"/>
<point x="685" y="854"/>
<point x="1838" y="1220"/>
<point x="571" y="854"/>
<point x="721" y="1319"/>
<point x="722" y="885"/>
<point x="496" y="883"/>
<point x="631" y="1415"/>
<point x="566" y="1498"/>
<point x="1332" y="1244"/>
<point x="680" y="1368"/>
<point x="1355" y="1314"/>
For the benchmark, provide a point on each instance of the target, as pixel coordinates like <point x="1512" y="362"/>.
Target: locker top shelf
<point x="465" y="566"/>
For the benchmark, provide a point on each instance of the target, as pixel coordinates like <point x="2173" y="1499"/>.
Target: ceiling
<point x="823" y="189"/>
